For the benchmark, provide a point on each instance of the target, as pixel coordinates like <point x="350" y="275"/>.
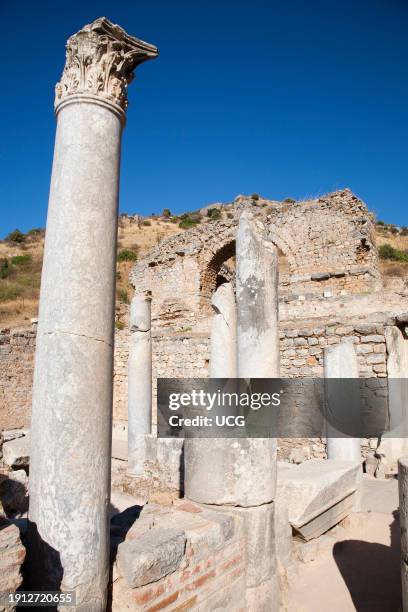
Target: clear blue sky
<point x="287" y="98"/>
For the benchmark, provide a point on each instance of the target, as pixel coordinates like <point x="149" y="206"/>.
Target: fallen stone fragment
<point x="318" y="493"/>
<point x="16" y="453"/>
<point x="152" y="556"/>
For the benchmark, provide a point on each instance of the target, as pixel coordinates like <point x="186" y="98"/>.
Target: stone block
<point x="12" y="554"/>
<point x="236" y="464"/>
<point x="313" y="488"/>
<point x="373" y="338"/>
<point x="16" y="452"/>
<point x="152" y="556"/>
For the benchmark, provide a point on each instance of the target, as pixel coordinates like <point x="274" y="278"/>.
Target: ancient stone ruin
<point x="131" y="521"/>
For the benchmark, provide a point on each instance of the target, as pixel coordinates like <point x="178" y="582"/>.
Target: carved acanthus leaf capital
<point x="100" y="61"/>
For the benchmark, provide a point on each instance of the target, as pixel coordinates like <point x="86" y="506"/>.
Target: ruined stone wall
<point x="328" y="243"/>
<point x="17" y="348"/>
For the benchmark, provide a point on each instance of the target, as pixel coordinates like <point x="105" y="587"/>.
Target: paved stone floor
<point x="361" y="571"/>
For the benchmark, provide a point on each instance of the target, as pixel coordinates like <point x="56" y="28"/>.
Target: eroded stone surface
<point x="315" y="486"/>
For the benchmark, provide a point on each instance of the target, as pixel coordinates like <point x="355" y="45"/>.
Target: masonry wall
<point x="17" y="348"/>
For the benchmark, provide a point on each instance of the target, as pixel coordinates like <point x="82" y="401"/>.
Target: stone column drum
<point x="242" y="472"/>
<point x="403" y="517"/>
<point x="139" y="382"/>
<point x="223" y="359"/>
<point x="72" y="396"/>
<point x="340" y="361"/>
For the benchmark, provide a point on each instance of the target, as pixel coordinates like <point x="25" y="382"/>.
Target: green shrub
<point x="214" y="214"/>
<point x="127" y="255"/>
<point x="16" y="236"/>
<point x="119" y="325"/>
<point x="146" y="222"/>
<point x="255" y="196"/>
<point x="166" y="213"/>
<point x="380" y="223"/>
<point x="5" y="268"/>
<point x="387" y="251"/>
<point x="404" y="230"/>
<point x="123" y="296"/>
<point x="174" y="219"/>
<point x="21" y="260"/>
<point x="187" y="221"/>
<point x="289" y="201"/>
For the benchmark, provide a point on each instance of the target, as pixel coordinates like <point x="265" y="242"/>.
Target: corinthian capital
<point x="100" y="61"/>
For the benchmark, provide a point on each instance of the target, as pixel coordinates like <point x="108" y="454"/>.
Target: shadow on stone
<point x="371" y="572"/>
<point x="42" y="569"/>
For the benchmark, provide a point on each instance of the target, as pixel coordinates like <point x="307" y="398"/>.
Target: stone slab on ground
<point x="313" y="488"/>
<point x="16" y="452"/>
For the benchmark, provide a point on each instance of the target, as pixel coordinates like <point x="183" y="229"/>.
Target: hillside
<point x="21" y="259"/>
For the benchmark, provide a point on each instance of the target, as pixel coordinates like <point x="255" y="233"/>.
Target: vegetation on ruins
<point x="166" y="213"/>
<point x="127" y="255"/>
<point x="214" y="214"/>
<point x="289" y="201"/>
<point x="188" y="220"/>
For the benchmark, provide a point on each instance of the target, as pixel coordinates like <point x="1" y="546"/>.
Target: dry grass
<point x="19" y="292"/>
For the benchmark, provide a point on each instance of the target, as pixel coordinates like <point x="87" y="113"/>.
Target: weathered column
<point x="403" y="519"/>
<point x="259" y="357"/>
<point x="257" y="302"/>
<point x="139" y="382"/>
<point x="223" y="360"/>
<point x="340" y="362"/>
<point x="72" y="396"/>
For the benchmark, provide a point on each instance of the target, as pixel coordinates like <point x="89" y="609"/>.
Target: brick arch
<point x="285" y="244"/>
<point x="210" y="268"/>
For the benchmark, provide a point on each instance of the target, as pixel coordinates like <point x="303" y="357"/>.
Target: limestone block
<point x="234" y="469"/>
<point x="152" y="556"/>
<point x="16" y="452"/>
<point x="12" y="554"/>
<point x="312" y="488"/>
<point x="259" y="535"/>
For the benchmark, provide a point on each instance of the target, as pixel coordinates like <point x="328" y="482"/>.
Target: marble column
<point x="223" y="359"/>
<point x="139" y="382"/>
<point x="403" y="519"/>
<point x="257" y="278"/>
<point x="72" y="396"/>
<point x="257" y="302"/>
<point x="340" y="362"/>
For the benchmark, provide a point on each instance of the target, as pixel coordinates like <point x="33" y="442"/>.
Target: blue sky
<point x="285" y="98"/>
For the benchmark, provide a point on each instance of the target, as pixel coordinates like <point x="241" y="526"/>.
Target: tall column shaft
<point x="257" y="302"/>
<point x="223" y="359"/>
<point x="139" y="382"/>
<point x="340" y="361"/>
<point x="72" y="396"/>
